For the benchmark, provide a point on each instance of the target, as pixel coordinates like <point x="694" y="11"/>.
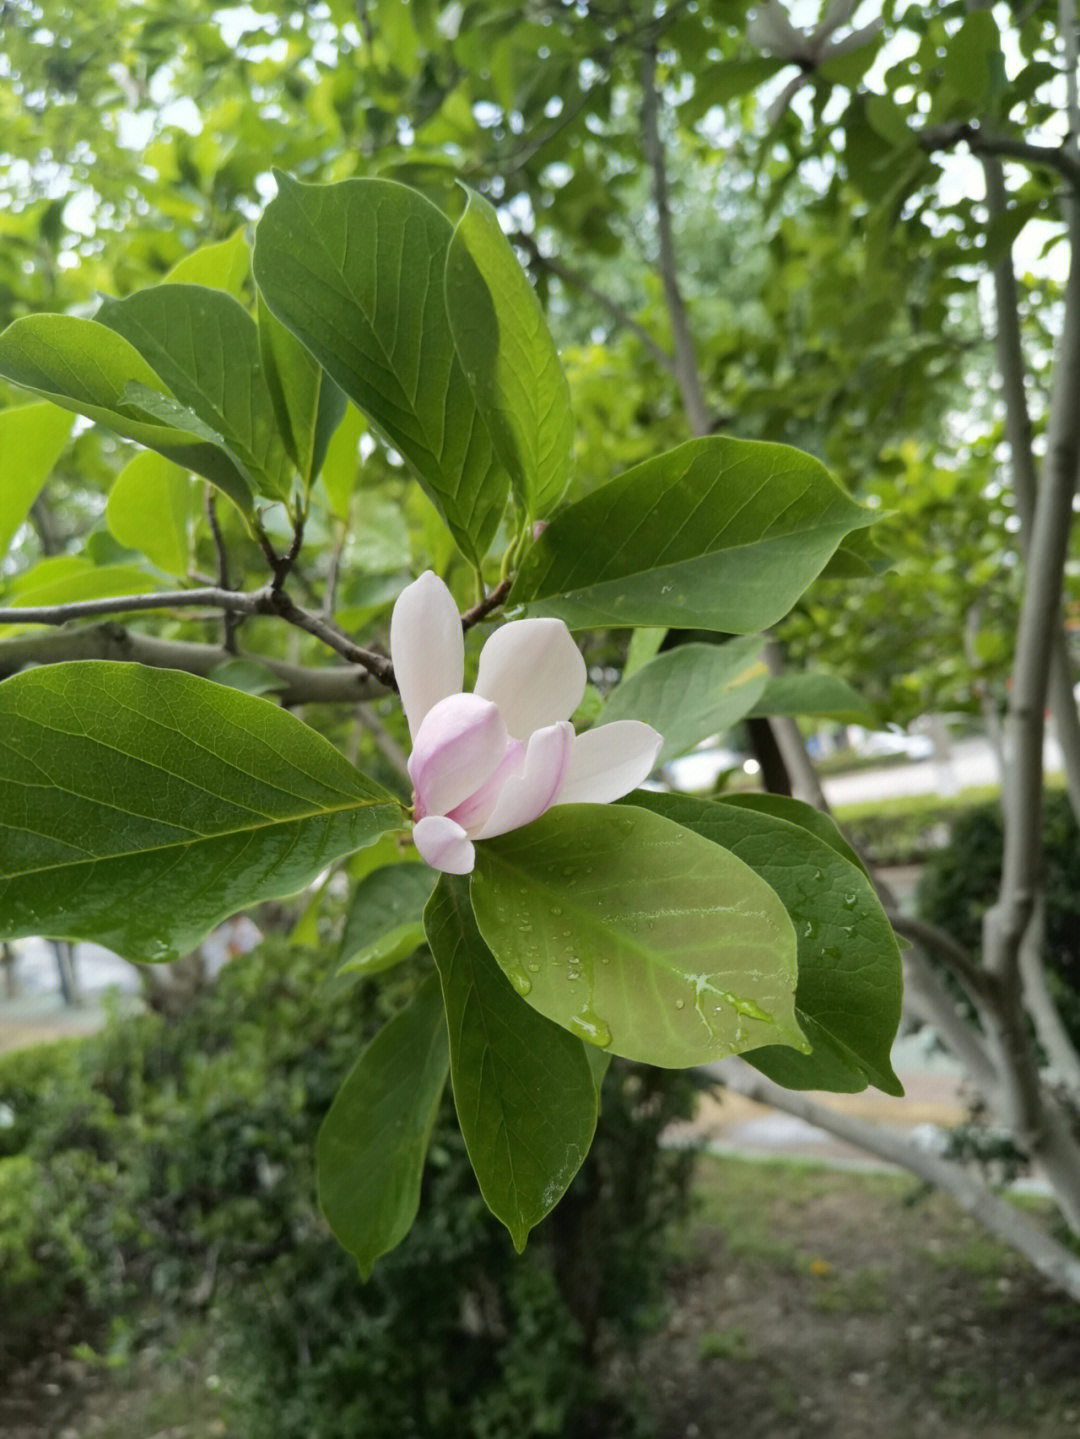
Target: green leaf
<point x="249" y="675"/>
<point x="373" y="1142"/>
<point x="205" y="347"/>
<point x="804" y="815"/>
<point x="83" y="366"/>
<point x="638" y="935"/>
<point x="385" y="922"/>
<point x="644" y="643"/>
<point x="847" y="1001"/>
<point x="858" y="557"/>
<point x="722" y="81"/>
<point x="32" y="439"/>
<point x="717" y="534"/>
<point x="810" y="694"/>
<point x="692" y="691"/>
<point x="356" y="271"/>
<point x="509" y="358"/>
<point x="342" y="461"/>
<point x="150" y="507"/>
<point x="524" y="1091"/>
<point x="967" y="59"/>
<point x="139" y="807"/>
<point x="308" y="405"/>
<point x="224" y="265"/>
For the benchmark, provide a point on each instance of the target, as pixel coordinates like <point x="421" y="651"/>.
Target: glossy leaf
<point x="32" y="439"/>
<point x="205" y="347"/>
<point x="141" y="807"/>
<point x="509" y="358"/>
<point x="848" y="996"/>
<point x="86" y="367"/>
<point x="308" y="405"/>
<point x="525" y="1094"/>
<point x="374" y="1140"/>
<point x="717" y="534"/>
<point x="692" y="691"/>
<point x="385" y="921"/>
<point x="638" y="935"/>
<point x="796" y="812"/>
<point x="826" y="696"/>
<point x="355" y="270"/>
<point x="151" y="504"/>
<point x="224" y="265"/>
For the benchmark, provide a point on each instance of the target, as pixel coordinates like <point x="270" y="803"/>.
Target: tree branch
<point x="686" y="369"/>
<point x="300" y="684"/>
<point x="621" y="316"/>
<point x="1005" y="147"/>
<point x="268" y="601"/>
<point x="1056" y="1263"/>
<point x="1012" y="370"/>
<point x="489" y="603"/>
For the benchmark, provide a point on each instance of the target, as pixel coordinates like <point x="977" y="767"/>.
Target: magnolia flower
<point x="492" y="761"/>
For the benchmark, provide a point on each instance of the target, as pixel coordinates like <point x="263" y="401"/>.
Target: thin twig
<point x="267" y="601"/>
<point x="618" y="313"/>
<point x="486" y="605"/>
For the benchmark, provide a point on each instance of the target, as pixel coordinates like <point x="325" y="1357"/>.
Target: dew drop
<point x="556" y="909"/>
<point x="520" y="980"/>
<point x="589" y="1026"/>
<point x="535" y="968"/>
<point x="680" y="1004"/>
<point x="849" y="901"/>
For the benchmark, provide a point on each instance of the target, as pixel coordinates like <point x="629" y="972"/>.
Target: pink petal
<point x="444" y="845"/>
<point x="609" y="761"/>
<point x="427" y="647"/>
<point x="526" y="795"/>
<point x="457" y="748"/>
<point x="475" y="810"/>
<point x="533" y="671"/>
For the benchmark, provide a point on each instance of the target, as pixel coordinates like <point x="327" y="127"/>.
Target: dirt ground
<point x="823" y="1303"/>
<point x="804" y="1303"/>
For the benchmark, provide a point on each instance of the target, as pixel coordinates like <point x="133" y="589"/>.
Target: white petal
<point x="444" y="845"/>
<point x="609" y="761"/>
<point x="472" y="813"/>
<point x="534" y="672"/>
<point x="458" y="747"/>
<point x="528" y="794"/>
<point x="427" y="647"/>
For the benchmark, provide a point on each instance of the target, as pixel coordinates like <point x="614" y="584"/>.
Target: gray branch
<point x="300" y="684"/>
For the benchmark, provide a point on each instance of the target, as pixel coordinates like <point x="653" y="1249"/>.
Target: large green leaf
<point x="308" y="405"/>
<point x="850" y="979"/>
<point x="638" y="935"/>
<point x="692" y="691"/>
<point x="151" y="504"/>
<point x="795" y="811"/>
<point x="32" y="439"/>
<point x="811" y="694"/>
<point x="374" y="1140"/>
<point x="509" y="358"/>
<point x="205" y="347"/>
<point x="525" y="1094"/>
<point x="140" y="807"/>
<point x="717" y="534"/>
<point x="86" y="367"/>
<point x="385" y="921"/>
<point x="356" y="271"/>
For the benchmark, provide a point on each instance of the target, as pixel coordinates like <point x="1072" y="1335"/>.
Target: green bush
<point x="960" y="882"/>
<point x="164" y="1167"/>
